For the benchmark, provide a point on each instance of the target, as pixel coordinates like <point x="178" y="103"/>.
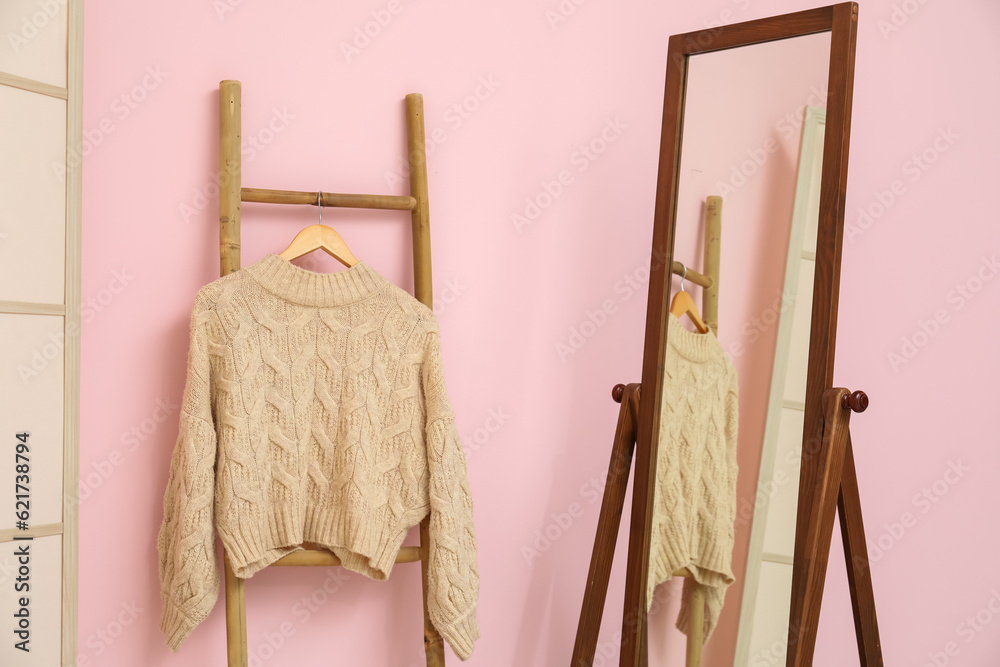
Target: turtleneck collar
<point x="310" y="288"/>
<point x="694" y="346"/>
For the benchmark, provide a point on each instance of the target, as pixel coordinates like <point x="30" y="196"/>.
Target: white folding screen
<point x="40" y="180"/>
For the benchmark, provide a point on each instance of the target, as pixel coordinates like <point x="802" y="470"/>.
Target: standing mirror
<point x="741" y="449"/>
<point x="751" y="114"/>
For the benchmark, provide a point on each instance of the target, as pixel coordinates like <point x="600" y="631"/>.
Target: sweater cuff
<point x="175" y="626"/>
<point x="462" y="634"/>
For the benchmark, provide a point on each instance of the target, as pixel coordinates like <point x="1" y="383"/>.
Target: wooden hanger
<point x="320" y="237"/>
<point x="683" y="304"/>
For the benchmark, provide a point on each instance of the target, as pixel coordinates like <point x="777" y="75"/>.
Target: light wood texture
<point x="230" y="174"/>
<point x="42" y="530"/>
<point x="696" y="639"/>
<point x="683" y="304"/>
<point x="230" y="166"/>
<point x="424" y="292"/>
<point x="230" y="197"/>
<point x="320" y="237"/>
<point x="608" y="522"/>
<point x="31" y="307"/>
<point x="33" y="86"/>
<point x="236" y="617"/>
<point x="692" y="276"/>
<point x="417" y="159"/>
<point x="713" y="251"/>
<point x="71" y="359"/>
<point x="330" y="199"/>
<point x="317" y="556"/>
<point x="841" y="20"/>
<point x="433" y="642"/>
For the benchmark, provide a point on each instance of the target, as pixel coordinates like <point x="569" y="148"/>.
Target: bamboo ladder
<point x="231" y="194"/>
<point x="609" y="520"/>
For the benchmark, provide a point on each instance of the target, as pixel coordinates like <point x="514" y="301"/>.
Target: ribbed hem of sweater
<point x="362" y="545"/>
<point x="689" y="344"/>
<point x="710" y="565"/>
<point x="461" y="634"/>
<point x="707" y="554"/>
<point x="175" y="626"/>
<point x="310" y="288"/>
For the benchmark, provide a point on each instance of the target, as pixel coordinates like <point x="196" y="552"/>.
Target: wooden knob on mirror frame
<point x="617" y="392"/>
<point x="858" y="401"/>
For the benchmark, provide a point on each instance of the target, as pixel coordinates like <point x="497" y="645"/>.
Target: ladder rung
<point x="391" y="202"/>
<point x="323" y="557"/>
<point x="691" y="276"/>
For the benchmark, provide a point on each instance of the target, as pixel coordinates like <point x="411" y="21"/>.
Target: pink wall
<point x="520" y="95"/>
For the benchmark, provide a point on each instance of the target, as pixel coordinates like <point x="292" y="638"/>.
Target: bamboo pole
<point x="417" y="159"/>
<point x="691" y="276"/>
<point x="230" y="176"/>
<point x="423" y="291"/>
<point x="333" y="199"/>
<point x="713" y="248"/>
<point x="236" y="618"/>
<point x="314" y="557"/>
<point x="697" y="627"/>
<point x="710" y="314"/>
<point x="230" y="130"/>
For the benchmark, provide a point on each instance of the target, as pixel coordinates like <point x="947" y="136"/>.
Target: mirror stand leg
<point x="858" y="568"/>
<point x="607" y="527"/>
<point x="812" y="553"/>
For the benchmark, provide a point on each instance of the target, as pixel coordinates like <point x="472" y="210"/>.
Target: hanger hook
<point x="319" y="205"/>
<point x="683" y="275"/>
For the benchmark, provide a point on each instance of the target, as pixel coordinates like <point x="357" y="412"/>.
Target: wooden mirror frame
<point x="809" y="569"/>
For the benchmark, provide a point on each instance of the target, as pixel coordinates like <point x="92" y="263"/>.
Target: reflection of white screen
<point x="764" y="622"/>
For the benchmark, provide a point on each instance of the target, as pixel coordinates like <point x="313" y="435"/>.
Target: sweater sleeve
<point x="453" y="574"/>
<point x="732" y="428"/>
<point x="189" y="577"/>
<point x="715" y="583"/>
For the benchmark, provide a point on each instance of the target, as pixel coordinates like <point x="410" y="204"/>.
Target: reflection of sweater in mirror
<point x="694" y="511"/>
<point x="315" y="410"/>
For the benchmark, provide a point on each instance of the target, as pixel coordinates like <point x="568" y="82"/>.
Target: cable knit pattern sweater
<point x="314" y="410"/>
<point x="695" y="503"/>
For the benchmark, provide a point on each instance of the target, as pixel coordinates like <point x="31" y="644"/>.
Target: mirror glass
<point x="752" y="134"/>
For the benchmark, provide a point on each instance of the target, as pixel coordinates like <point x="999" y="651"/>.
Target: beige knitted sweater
<point x="695" y="502"/>
<point x="314" y="410"/>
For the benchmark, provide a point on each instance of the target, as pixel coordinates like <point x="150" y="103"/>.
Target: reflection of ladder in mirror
<point x="231" y="193"/>
<point x="763" y="628"/>
<point x="622" y="449"/>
